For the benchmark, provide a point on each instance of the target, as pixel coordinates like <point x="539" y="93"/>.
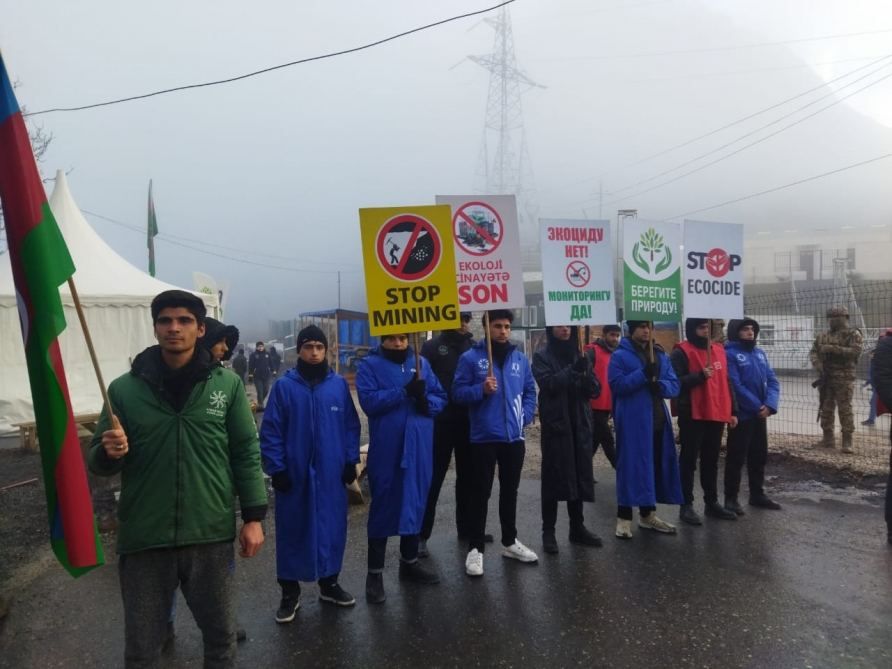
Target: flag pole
<point x="80" y="316"/>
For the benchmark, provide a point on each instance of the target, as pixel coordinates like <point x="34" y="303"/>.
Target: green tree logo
<point x="651" y="253"/>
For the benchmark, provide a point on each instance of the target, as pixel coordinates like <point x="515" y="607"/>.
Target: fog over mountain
<point x="272" y="170"/>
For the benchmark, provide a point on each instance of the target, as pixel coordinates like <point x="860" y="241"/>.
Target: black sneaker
<point x="582" y="536"/>
<point x="374" y="589"/>
<point x="413" y="571"/>
<point x="764" y="502"/>
<point x="733" y="505"/>
<point x="241" y="635"/>
<point x="549" y="543"/>
<point x="287" y="608"/>
<point x="686" y="514"/>
<point x="716" y="510"/>
<point x="335" y="594"/>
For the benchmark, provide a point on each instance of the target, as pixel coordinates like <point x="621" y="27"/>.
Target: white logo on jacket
<point x="218" y="399"/>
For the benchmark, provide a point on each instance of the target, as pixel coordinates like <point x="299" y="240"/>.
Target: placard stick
<point x="416" y="346"/>
<point x="650" y="348"/>
<point x="488" y="342"/>
<point x="102" y="389"/>
<point x="709" y="344"/>
<point x="580" y="330"/>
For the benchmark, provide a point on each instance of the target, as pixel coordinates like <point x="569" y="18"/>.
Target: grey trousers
<point x="149" y="580"/>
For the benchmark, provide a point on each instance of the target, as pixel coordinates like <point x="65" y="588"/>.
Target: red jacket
<point x="601" y="353"/>
<point x="710" y="400"/>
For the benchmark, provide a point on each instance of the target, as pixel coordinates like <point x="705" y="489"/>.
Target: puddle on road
<point x="818" y="491"/>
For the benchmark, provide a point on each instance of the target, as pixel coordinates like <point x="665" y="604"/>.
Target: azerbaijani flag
<point x="40" y="264"/>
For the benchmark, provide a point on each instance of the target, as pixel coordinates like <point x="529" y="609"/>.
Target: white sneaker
<point x="651" y="522"/>
<point x="623" y="529"/>
<point x="517" y="551"/>
<point x="474" y="563"/>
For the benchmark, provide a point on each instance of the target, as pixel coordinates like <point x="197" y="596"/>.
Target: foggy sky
<point x="279" y="164"/>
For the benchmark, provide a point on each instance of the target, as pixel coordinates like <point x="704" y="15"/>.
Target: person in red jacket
<point x="599" y="354"/>
<point x="706" y="404"/>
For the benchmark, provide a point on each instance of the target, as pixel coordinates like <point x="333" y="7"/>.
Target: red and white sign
<point x="577" y="272"/>
<point x="713" y="270"/>
<point x="408" y="247"/>
<point x="487" y="251"/>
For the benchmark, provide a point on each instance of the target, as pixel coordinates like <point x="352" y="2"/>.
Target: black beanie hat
<point x="311" y="333"/>
<point x="634" y="325"/>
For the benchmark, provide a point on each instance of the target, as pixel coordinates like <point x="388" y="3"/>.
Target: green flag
<point x="152" y="231"/>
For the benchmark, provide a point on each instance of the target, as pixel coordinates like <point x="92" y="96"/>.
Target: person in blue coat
<point x="502" y="402"/>
<point x="309" y="441"/>
<point x="646" y="468"/>
<point x="758" y="395"/>
<point x="401" y="406"/>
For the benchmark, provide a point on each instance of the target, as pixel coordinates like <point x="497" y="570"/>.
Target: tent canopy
<point x="115" y="296"/>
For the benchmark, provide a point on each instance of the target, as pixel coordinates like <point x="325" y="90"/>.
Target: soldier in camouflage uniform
<point x="834" y="355"/>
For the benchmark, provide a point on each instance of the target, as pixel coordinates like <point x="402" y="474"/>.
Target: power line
<point x="169" y="236"/>
<point x="785" y="186"/>
<point x="751" y="144"/>
<point x="274" y="67"/>
<point x="763" y="127"/>
<point x="167" y="239"/>
<point x="730" y="47"/>
<point x="731" y="124"/>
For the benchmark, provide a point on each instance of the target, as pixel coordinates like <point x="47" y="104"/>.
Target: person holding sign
<point x="400" y="395"/>
<point x="309" y="441"/>
<point x="705" y="405"/>
<point x="640" y="377"/>
<point x="502" y="398"/>
<point x="566" y="384"/>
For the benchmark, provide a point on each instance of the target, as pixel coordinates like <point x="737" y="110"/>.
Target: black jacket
<point x="443" y="352"/>
<point x="564" y="395"/>
<point x="260" y="364"/>
<point x="882" y="370"/>
<point x="214" y="331"/>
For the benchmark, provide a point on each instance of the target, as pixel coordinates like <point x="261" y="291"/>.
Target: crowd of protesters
<point x="178" y="410"/>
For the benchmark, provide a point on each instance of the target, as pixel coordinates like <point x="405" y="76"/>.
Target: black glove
<point x="415" y="388"/>
<point x="654" y="387"/>
<point x="422" y="406"/>
<point x="348" y="476"/>
<point x="651" y="369"/>
<point x="281" y="481"/>
<point x="580" y="365"/>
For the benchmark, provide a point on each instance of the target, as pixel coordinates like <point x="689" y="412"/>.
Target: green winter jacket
<point x="183" y="470"/>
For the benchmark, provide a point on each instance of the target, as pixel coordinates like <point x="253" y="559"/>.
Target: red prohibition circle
<point x="578" y="274"/>
<point x="413" y="257"/>
<point x="462" y="216"/>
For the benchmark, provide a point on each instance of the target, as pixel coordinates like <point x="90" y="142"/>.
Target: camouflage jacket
<point x="836" y="352"/>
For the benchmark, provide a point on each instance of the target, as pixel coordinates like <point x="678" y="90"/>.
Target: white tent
<point x="115" y="296"/>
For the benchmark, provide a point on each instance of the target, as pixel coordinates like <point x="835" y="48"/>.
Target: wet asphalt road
<point x="810" y="586"/>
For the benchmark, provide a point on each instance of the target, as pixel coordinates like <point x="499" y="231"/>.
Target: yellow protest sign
<point x="409" y="261"/>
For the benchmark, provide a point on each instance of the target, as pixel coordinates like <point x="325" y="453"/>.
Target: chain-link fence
<point x="790" y="316"/>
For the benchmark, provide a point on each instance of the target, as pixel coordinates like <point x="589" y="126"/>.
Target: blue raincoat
<point x="401" y="442"/>
<point x="310" y="432"/>
<point x="633" y="416"/>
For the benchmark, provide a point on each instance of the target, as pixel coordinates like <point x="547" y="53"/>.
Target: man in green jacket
<point x="184" y="441"/>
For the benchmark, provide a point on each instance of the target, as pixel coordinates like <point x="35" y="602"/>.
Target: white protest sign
<point x="577" y="272"/>
<point x="487" y="251"/>
<point x="713" y="270"/>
